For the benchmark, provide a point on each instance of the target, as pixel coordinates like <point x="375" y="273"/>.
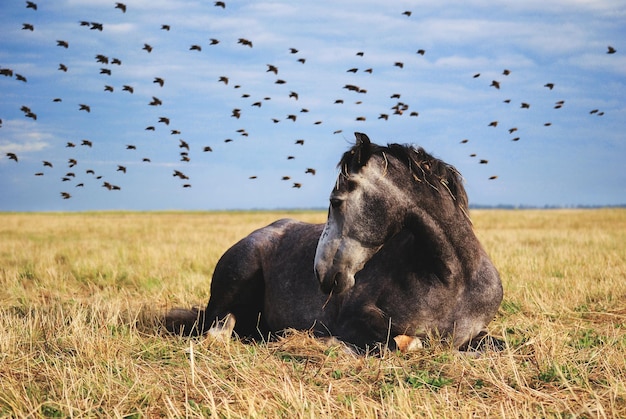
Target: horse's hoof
<point x="222" y="330"/>
<point x="406" y="343"/>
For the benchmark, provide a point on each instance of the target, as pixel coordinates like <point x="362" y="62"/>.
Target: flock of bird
<point x="351" y="91"/>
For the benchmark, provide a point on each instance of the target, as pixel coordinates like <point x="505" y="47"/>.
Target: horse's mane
<point x="424" y="167"/>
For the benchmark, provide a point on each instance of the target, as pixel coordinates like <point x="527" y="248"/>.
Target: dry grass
<point x="80" y="293"/>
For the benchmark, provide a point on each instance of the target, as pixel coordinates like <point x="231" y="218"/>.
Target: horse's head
<point x="364" y="212"/>
<point x="375" y="195"/>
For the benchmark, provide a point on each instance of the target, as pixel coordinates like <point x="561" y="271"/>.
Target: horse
<point x="397" y="258"/>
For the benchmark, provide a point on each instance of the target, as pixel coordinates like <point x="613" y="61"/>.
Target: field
<point x="81" y="295"/>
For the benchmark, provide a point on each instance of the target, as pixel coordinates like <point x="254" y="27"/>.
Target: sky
<point x="553" y="152"/>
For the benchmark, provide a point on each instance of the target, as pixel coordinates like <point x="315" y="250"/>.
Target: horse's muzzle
<point x="334" y="281"/>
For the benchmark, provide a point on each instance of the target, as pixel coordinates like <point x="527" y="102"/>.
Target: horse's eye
<point x="335" y="202"/>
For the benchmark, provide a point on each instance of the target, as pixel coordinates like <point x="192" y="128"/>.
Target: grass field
<point x="80" y="296"/>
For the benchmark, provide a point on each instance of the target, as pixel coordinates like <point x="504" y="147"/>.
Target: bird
<point x="150" y="128"/>
<point x="310" y="170"/>
<point x="96" y="26"/>
<point x="293" y="50"/>
<point x="476" y="75"/>
<point x="12" y="156"/>
<point x="28" y="27"/>
<point x="195" y="47"/>
<point x="87" y="143"/>
<point x="147" y="47"/>
<point x="214" y="41"/>
<point x="293" y="95"/>
<point x="63" y="67"/>
<point x="506" y="72"/>
<point x="155" y="101"/>
<point x="286" y="177"/>
<point x="272" y="68"/>
<point x="352" y="70"/>
<point x="360" y="118"/>
<point x="70" y="145"/>
<point x="360" y="54"/>
<point x="159" y="81"/>
<point x="292" y="117"/>
<point x="102" y="59"/>
<point x="421" y="51"/>
<point x="164" y="120"/>
<point x="220" y="4"/>
<point x="128" y="89"/>
<point x="70" y="162"/>
<point x="302" y="60"/>
<point x="223" y="79"/>
<point x="31" y="5"/>
<point x="146" y="160"/>
<point x="207" y="149"/>
<point x="399" y="64"/>
<point x="297" y="185"/>
<point x="549" y="85"/>
<point x="611" y="50"/>
<point x="245" y="42"/>
<point x="183" y="144"/>
<point x="83" y="107"/>
<point x="493" y="124"/>
<point x="493" y="177"/>
<point x="407" y="13"/>
<point x="525" y="105"/>
<point x="47" y="164"/>
<point x="512" y="130"/>
<point x="121" y="6"/>
<point x="178" y="173"/>
<point x="20" y="77"/>
<point x="131" y="147"/>
<point x="495" y="84"/>
<point x="121" y="169"/>
<point x="174" y="132"/>
<point x="65" y="195"/>
<point x="384" y="116"/>
<point x="165" y="27"/>
<point x="108" y="88"/>
<point x="483" y="161"/>
<point x="62" y="43"/>
<point x="280" y="81"/>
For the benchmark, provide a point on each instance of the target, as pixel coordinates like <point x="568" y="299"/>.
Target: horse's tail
<point x="186" y="322"/>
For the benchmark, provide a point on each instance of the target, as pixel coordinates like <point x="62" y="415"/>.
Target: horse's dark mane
<point x="424" y="167"/>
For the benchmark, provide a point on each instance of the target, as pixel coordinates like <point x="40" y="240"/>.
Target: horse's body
<point x="394" y="258"/>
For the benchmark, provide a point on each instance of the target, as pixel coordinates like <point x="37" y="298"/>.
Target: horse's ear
<point x="363" y="148"/>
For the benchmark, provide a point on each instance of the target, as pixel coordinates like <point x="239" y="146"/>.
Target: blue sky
<point x="577" y="159"/>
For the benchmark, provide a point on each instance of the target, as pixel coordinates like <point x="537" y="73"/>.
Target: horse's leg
<point x="236" y="301"/>
<point x="237" y="292"/>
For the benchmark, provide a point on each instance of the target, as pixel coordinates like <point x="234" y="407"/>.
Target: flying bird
<point x="28" y="27"/>
<point x="220" y="4"/>
<point x="31" y="5"/>
<point x="12" y="156"/>
<point x="87" y="143"/>
<point x="611" y="50"/>
<point x="272" y="68"/>
<point x="214" y="41"/>
<point x="121" y="6"/>
<point x="245" y="42"/>
<point x="65" y="195"/>
<point x="159" y="81"/>
<point x="63" y="67"/>
<point x="549" y="85"/>
<point x="128" y="89"/>
<point x="83" y="107"/>
<point x="165" y="27"/>
<point x="164" y="120"/>
<point x="421" y="51"/>
<point x="62" y="43"/>
<point x="195" y="47"/>
<point x="121" y="169"/>
<point x="147" y="47"/>
<point x="495" y="84"/>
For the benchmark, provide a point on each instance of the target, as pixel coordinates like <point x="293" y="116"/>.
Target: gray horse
<point x="397" y="258"/>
